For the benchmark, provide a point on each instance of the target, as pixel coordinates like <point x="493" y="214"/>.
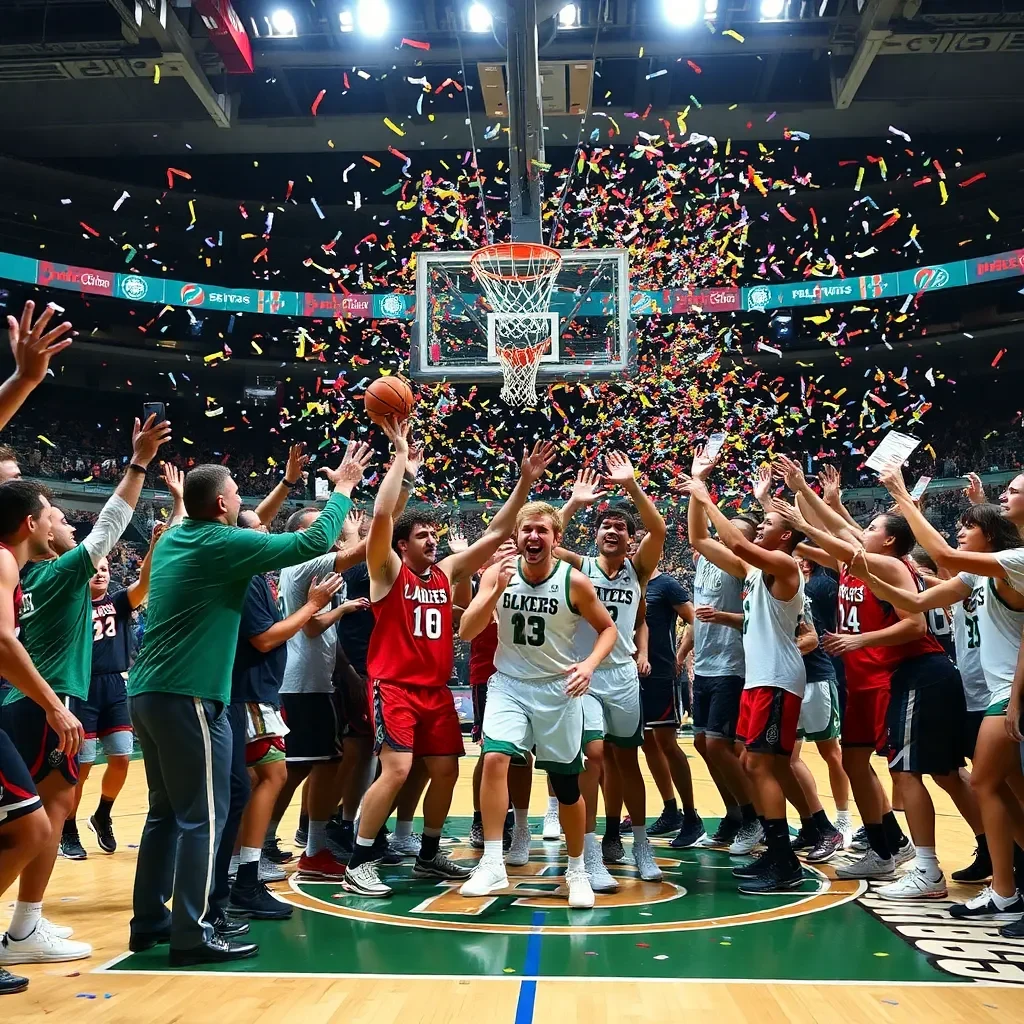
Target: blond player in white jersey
<point x="611" y="708"/>
<point x="534" y="696"/>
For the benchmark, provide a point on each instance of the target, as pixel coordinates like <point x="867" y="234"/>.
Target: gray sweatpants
<point x="186" y="746"/>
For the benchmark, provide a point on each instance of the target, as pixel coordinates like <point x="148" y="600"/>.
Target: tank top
<point x="769" y="636"/>
<point x="412" y="640"/>
<point x="536" y="626"/>
<point x="967" y="636"/>
<point x="998" y="634"/>
<point x="861" y="612"/>
<point x="620" y="594"/>
<point x="481" y="654"/>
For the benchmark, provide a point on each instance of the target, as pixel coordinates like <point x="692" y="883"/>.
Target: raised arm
<point x="33" y="346"/>
<point x="478" y="615"/>
<point x="832" y="495"/>
<point x="837" y="525"/>
<point x="586" y="491"/>
<point x="941" y="595"/>
<point x="268" y="508"/>
<point x="140" y="588"/>
<point x="697" y="527"/>
<point x="841" y="550"/>
<point x="621" y="474"/>
<point x="175" y="481"/>
<point x="381" y="558"/>
<point x="583" y="597"/>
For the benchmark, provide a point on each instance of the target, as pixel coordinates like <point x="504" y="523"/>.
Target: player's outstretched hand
<point x="620" y="470"/>
<point x="763" y="485"/>
<point x="353" y="467"/>
<point x="695" y="487"/>
<point x="69" y="730"/>
<point x="32" y="345"/>
<point x="457" y="541"/>
<point x="587" y="489"/>
<point x="352" y="525"/>
<point x="975" y="490"/>
<point x="321" y="591"/>
<point x="831" y="491"/>
<point x="577" y="680"/>
<point x="790" y="472"/>
<point x="790" y="513"/>
<point x="536" y="462"/>
<point x="836" y="644"/>
<point x="398" y="434"/>
<point x="890" y="476"/>
<point x="175" y="480"/>
<point x="147" y="438"/>
<point x="297" y="462"/>
<point x="701" y="467"/>
<point x="705" y="613"/>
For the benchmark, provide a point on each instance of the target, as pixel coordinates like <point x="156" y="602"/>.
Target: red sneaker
<point x="323" y="865"/>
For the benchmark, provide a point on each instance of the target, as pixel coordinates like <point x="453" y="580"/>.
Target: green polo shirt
<point x="199" y="579"/>
<point x="56" y="622"/>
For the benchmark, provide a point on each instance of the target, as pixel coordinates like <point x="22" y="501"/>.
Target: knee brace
<point x="566" y="787"/>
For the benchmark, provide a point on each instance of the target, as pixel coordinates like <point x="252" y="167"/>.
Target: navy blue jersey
<point x="354" y="630"/>
<point x="111" y="634"/>
<point x="664" y="592"/>
<point x="256" y="675"/>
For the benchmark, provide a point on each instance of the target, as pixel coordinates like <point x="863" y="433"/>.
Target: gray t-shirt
<point x="310" y="666"/>
<point x="717" y="650"/>
<point x="1012" y="560"/>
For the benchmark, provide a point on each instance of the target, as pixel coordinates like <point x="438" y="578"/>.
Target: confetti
<point x="316" y="103"/>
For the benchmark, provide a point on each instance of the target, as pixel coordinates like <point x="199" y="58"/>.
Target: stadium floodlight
<point x="682" y="12"/>
<point x="479" y="18"/>
<point x="772" y="10"/>
<point x="569" y="16"/>
<point x="373" y="17"/>
<point x="710" y="10"/>
<point x="345" y="21"/>
<point x="282" y="23"/>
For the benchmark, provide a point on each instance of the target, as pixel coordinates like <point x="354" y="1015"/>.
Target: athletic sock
<point x="24" y="920"/>
<point x="477" y="819"/>
<point x="361" y="852"/>
<point x="747" y="813"/>
<point x="808" y="825"/>
<point x="522" y="817"/>
<point x="734" y="813"/>
<point x="103" y="809"/>
<point x="982" y="840"/>
<point x="877" y="840"/>
<point x="1002" y="902"/>
<point x="275" y="824"/>
<point x="612" y="826"/>
<point x="776" y="832"/>
<point x="248" y="868"/>
<point x="552" y="805"/>
<point x="303" y="820"/>
<point x="821" y="823"/>
<point x="403" y="829"/>
<point x="316" y="838"/>
<point x="639" y="834"/>
<point x="671" y="807"/>
<point x="928" y="862"/>
<point x="690" y="815"/>
<point x="894" y="836"/>
<point x="430" y="843"/>
<point x="591" y="844"/>
<point x="493" y="852"/>
<point x="576" y="863"/>
<point x="70" y="827"/>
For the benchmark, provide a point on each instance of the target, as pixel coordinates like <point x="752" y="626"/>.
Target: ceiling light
<point x="682" y="12"/>
<point x="282" y="23"/>
<point x="710" y="9"/>
<point x="345" y="21"/>
<point x="772" y="10"/>
<point x="569" y="16"/>
<point x="373" y="17"/>
<point x="478" y="18"/>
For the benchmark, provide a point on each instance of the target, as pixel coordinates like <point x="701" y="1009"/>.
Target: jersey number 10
<point x="426" y="622"/>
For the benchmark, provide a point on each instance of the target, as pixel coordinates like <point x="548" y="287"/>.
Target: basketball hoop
<point x="517" y="278"/>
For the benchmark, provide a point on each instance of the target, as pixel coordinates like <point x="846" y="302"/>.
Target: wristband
<point x="137" y="468"/>
<point x="288" y="483"/>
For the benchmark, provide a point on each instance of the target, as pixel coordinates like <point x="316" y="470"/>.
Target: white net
<point x="517" y="278"/>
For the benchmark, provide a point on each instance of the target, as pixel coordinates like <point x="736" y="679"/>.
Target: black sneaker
<point x="779" y="877"/>
<point x="11" y="983"/>
<point x="273" y="852"/>
<point x="691" y="833"/>
<point x="612" y="851"/>
<point x="382" y="852"/>
<point x="805" y="839"/>
<point x="301" y="837"/>
<point x="983" y="908"/>
<point x="71" y="845"/>
<point x="979" y="870"/>
<point x="1015" y="930"/>
<point x="104" y="831"/>
<point x="757" y="867"/>
<point x="442" y="866"/>
<point x="476" y="835"/>
<point x="225" y="927"/>
<point x="257" y="903"/>
<point x="724" y="834"/>
<point x="859" y="843"/>
<point x="667" y="821"/>
<point x="826" y="848"/>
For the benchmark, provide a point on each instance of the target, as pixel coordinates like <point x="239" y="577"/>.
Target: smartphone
<point x="154" y="409"/>
<point x="715" y="444"/>
<point x="920" y="487"/>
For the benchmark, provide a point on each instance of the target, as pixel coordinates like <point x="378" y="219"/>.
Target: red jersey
<point x="481" y="655"/>
<point x="411" y="642"/>
<point x="860" y="612"/>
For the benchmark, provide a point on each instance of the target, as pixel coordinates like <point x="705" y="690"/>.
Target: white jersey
<point x="967" y="640"/>
<point x="536" y="626"/>
<point x="769" y="631"/>
<point x="998" y="631"/>
<point x="620" y="594"/>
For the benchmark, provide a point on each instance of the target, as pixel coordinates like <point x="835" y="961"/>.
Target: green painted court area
<point x="695" y="925"/>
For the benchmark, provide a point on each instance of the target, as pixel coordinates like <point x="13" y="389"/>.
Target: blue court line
<point x="531" y="965"/>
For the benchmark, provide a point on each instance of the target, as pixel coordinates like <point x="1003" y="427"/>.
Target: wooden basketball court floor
<point x="689" y="946"/>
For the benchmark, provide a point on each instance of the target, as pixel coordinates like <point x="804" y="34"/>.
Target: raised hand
<point x="790" y="513"/>
<point x="701" y="467"/>
<point x="506" y="570"/>
<point x="536" y="462"/>
<point x="620" y="470"/>
<point x="352" y="469"/>
<point x="975" y="490"/>
<point x="831" y="491"/>
<point x="175" y="481"/>
<point x="695" y="487"/>
<point x="32" y="345"/>
<point x="414" y="460"/>
<point x="398" y="434"/>
<point x="297" y="462"/>
<point x="763" y="485"/>
<point x="587" y="489"/>
<point x="321" y="591"/>
<point x="457" y="541"/>
<point x="890" y="477"/>
<point x="352" y="525"/>
<point x="147" y="438"/>
<point x="790" y="472"/>
<point x="158" y="529"/>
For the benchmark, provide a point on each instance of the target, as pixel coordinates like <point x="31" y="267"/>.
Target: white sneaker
<point x="643" y="854"/>
<point x="844" y="826"/>
<point x="62" y="931"/>
<point x="869" y="866"/>
<point x="364" y="881"/>
<point x="600" y="878"/>
<point x="519" y="850"/>
<point x="271" y="872"/>
<point x="552" y="827"/>
<point x="41" y="947"/>
<point x="749" y="835"/>
<point x="488" y="876"/>
<point x="407" y="846"/>
<point x="906" y="852"/>
<point x="581" y="895"/>
<point x="914" y="885"/>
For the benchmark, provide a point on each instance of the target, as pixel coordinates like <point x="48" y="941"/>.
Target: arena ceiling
<point x="79" y="77"/>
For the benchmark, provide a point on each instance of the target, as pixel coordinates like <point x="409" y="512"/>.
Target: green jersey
<point x="199" y="578"/>
<point x="56" y="621"/>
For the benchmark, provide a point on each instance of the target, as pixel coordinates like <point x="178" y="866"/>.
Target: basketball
<point x="389" y="396"/>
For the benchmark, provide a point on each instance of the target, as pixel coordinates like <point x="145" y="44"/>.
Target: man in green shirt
<point x="56" y="629"/>
<point x="180" y="688"/>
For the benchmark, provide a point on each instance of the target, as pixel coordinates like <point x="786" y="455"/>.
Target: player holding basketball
<point x="410" y="660"/>
<point x="533" y="694"/>
<point x="611" y="707"/>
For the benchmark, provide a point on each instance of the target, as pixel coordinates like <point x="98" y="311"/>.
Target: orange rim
<point x="516" y="251"/>
<point x="522" y="356"/>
